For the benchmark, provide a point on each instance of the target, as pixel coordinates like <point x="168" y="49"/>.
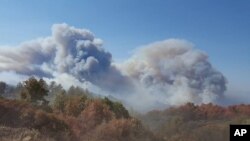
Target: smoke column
<point x="169" y="72"/>
<point x="174" y="73"/>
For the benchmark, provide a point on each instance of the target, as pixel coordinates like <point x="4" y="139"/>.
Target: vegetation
<point x="34" y="91"/>
<point x="117" y="108"/>
<point x="73" y="115"/>
<point x="206" y="122"/>
<point x="50" y="113"/>
<point x="2" y="87"/>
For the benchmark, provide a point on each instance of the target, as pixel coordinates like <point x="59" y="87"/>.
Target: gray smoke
<point x="165" y="73"/>
<point x="71" y="51"/>
<point x="175" y="73"/>
<point x="28" y="58"/>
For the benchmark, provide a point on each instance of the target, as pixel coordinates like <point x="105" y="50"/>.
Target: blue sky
<point x="221" y="28"/>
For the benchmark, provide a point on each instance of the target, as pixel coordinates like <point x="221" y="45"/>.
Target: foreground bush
<point x="22" y="134"/>
<point x="96" y="122"/>
<point x="18" y="114"/>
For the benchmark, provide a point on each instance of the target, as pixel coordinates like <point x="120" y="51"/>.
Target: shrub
<point x="121" y="130"/>
<point x="75" y="105"/>
<point x="119" y="110"/>
<point x="96" y="113"/>
<point x="60" y="102"/>
<point x="71" y="105"/>
<point x="19" y="114"/>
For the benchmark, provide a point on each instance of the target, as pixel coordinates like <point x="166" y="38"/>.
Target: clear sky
<point x="221" y="28"/>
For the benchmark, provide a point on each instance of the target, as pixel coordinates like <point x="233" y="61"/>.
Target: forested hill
<point x="206" y="122"/>
<point x="36" y="111"/>
<point x="42" y="112"/>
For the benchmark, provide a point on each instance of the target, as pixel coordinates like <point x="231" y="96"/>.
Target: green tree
<point x="116" y="107"/>
<point x="3" y="86"/>
<point x="60" y="102"/>
<point x="34" y="91"/>
<point x="78" y="91"/>
<point x="70" y="104"/>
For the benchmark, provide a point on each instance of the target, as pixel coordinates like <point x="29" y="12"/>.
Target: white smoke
<point x="175" y="73"/>
<point x="164" y="73"/>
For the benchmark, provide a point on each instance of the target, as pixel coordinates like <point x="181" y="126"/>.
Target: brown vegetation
<point x="74" y="115"/>
<point x="206" y="122"/>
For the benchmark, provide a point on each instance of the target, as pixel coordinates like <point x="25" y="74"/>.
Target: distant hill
<point x="206" y="122"/>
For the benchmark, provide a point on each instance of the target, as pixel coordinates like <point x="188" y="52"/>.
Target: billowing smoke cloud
<point x="175" y="73"/>
<point x="170" y="72"/>
<point x="69" y="51"/>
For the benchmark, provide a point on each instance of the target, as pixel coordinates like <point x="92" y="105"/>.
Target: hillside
<point x="96" y="122"/>
<point x="37" y="111"/>
<point x="206" y="122"/>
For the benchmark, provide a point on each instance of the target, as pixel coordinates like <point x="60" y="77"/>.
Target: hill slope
<point x="190" y="122"/>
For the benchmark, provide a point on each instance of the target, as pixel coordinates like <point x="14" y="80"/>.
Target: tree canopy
<point x="34" y="91"/>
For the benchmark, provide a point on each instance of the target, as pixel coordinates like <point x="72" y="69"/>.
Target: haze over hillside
<point x="34" y="111"/>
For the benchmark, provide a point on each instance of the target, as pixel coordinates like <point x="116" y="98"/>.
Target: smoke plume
<point x="175" y="73"/>
<point x="169" y="72"/>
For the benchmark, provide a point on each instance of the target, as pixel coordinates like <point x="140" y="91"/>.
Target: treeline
<point x="8" y="91"/>
<point x="48" y="112"/>
<point x="189" y="122"/>
<point x="36" y="111"/>
<point x="37" y="91"/>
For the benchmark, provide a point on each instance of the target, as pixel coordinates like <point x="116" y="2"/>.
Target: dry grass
<point x="21" y="134"/>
